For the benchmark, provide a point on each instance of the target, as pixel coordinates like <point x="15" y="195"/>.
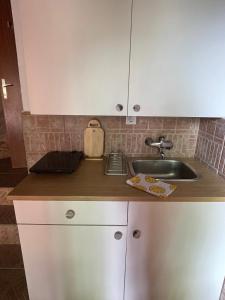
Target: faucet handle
<point x="166" y="144"/>
<point x="161" y="144"/>
<point x="162" y="138"/>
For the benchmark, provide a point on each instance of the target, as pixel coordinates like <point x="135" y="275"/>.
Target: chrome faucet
<point x="161" y="145"/>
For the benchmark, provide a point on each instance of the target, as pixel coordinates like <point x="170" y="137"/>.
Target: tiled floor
<point x="10" y="177"/>
<point x="7" y="214"/>
<point x="8" y="227"/>
<point x="11" y="257"/>
<point x="13" y="285"/>
<point x="12" y="277"/>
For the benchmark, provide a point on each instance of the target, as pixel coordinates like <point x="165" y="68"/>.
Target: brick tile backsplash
<point x="47" y="133"/>
<point x="202" y="138"/>
<point x="210" y="147"/>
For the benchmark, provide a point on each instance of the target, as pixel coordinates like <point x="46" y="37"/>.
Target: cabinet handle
<point x="70" y="214"/>
<point x="136" y="234"/>
<point x="136" y="107"/>
<point x="118" y="235"/>
<point x="119" y="107"/>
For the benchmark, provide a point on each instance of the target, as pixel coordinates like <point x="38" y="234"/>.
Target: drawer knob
<point x="119" y="107"/>
<point x="136" y="234"/>
<point x="118" y="235"/>
<point x="136" y="107"/>
<point x="70" y="214"/>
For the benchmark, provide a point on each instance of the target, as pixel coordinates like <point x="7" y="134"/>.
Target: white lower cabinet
<point x="79" y="260"/>
<point x="169" y="251"/>
<point x="74" y="262"/>
<point x="175" y="251"/>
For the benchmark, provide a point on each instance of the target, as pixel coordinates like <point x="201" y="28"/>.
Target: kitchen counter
<point x="99" y="238"/>
<point x="90" y="183"/>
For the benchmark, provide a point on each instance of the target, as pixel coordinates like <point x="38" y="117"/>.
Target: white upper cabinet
<point x="74" y="55"/>
<point x="178" y="58"/>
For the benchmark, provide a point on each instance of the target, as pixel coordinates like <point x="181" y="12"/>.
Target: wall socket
<point x="130" y="120"/>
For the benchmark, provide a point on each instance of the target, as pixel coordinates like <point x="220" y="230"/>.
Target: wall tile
<point x="56" y="123"/>
<point x="220" y="131"/>
<point x="183" y="123"/>
<point x="210" y="147"/>
<point x="38" y="142"/>
<point x="65" y="133"/>
<point x="222" y="163"/>
<point x="203" y="125"/>
<point x="70" y="123"/>
<point x="77" y="140"/>
<point x="29" y="123"/>
<point x="169" y="123"/>
<point x="50" y="141"/>
<point x="155" y="123"/>
<point x="42" y="123"/>
<point x="113" y="123"/>
<point x="211" y="127"/>
<point x="65" y="142"/>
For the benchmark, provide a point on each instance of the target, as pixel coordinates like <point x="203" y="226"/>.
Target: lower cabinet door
<point x="74" y="262"/>
<point x="175" y="251"/>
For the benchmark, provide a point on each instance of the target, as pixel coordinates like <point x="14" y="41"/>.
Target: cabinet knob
<point x="136" y="107"/>
<point x="118" y="235"/>
<point x="136" y="234"/>
<point x="119" y="107"/>
<point x="70" y="214"/>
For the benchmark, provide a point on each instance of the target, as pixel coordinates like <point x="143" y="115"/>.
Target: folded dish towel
<point x="151" y="185"/>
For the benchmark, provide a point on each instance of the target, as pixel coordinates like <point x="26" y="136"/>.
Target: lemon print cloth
<point x="151" y="185"/>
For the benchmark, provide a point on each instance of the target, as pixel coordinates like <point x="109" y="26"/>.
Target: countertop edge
<point x="119" y="199"/>
<point x="89" y="183"/>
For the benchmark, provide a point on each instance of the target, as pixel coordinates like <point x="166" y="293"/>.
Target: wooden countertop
<point x="90" y="183"/>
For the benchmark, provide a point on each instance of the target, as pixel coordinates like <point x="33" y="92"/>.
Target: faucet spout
<point x="162" y="154"/>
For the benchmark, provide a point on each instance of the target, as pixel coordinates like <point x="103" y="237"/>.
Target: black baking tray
<point x="58" y="162"/>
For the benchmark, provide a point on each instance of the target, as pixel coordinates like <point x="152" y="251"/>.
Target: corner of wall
<point x="210" y="147"/>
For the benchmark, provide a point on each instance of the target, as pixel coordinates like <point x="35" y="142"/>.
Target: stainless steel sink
<point x="164" y="169"/>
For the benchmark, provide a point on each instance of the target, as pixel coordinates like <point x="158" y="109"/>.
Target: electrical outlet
<point x="130" y="120"/>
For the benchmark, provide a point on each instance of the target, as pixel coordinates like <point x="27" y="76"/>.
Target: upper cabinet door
<point x="75" y="55"/>
<point x="178" y="58"/>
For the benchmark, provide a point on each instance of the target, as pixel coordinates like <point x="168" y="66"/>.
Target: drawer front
<point x="71" y="212"/>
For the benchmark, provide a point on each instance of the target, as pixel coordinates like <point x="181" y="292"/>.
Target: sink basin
<point x="164" y="169"/>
